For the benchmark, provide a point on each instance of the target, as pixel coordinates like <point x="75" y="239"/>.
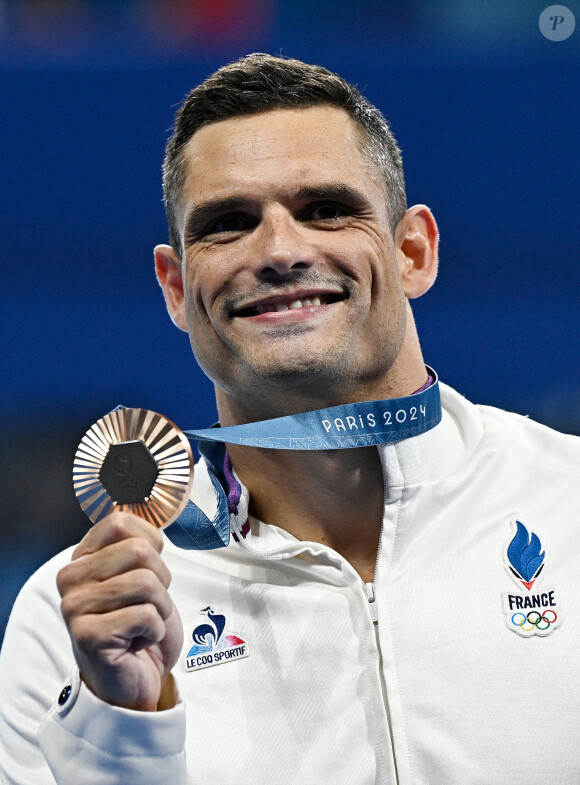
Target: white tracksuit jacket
<point x="457" y="674"/>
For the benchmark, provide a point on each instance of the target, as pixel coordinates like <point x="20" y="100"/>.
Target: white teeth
<point x="292" y="306"/>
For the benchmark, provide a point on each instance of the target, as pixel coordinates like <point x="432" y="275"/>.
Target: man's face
<point x="291" y="275"/>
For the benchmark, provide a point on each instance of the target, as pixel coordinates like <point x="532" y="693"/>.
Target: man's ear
<point x="417" y="241"/>
<point x="168" y="270"/>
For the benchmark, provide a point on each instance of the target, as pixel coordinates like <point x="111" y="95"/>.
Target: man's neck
<point x="332" y="497"/>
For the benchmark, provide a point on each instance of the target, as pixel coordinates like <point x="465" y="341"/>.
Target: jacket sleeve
<point x="109" y="744"/>
<point x="80" y="739"/>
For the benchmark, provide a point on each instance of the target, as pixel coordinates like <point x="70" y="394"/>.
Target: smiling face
<point x="292" y="280"/>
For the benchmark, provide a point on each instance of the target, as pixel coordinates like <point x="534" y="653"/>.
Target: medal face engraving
<point x="137" y="461"/>
<point x="128" y="472"/>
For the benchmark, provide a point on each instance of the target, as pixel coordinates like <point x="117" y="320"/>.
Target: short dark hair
<point x="261" y="82"/>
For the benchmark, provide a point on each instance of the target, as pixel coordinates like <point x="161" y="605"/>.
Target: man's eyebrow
<point x="200" y="214"/>
<point x="336" y="192"/>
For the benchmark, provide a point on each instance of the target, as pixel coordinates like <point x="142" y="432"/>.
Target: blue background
<point x="485" y="109"/>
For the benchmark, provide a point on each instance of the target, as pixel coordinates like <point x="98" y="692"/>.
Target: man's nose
<point x="284" y="246"/>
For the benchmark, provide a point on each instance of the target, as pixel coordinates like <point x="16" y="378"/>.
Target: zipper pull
<point x="370" y="594"/>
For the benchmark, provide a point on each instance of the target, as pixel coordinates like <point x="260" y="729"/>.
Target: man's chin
<point x="305" y="375"/>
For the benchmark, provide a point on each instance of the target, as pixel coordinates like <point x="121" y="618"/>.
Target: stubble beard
<point x="306" y="380"/>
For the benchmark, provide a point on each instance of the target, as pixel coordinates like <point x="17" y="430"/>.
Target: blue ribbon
<point x="339" y="427"/>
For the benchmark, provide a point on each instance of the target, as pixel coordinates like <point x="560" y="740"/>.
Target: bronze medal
<point x="137" y="461"/>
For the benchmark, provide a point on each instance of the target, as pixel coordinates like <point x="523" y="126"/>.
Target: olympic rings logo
<point x="542" y="622"/>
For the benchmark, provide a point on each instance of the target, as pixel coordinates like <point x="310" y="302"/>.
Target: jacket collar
<point x="427" y="458"/>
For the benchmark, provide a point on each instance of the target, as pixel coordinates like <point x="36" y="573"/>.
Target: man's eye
<point x="328" y="212"/>
<point x="229" y="223"/>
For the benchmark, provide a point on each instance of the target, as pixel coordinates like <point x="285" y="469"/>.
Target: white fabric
<point x="439" y="692"/>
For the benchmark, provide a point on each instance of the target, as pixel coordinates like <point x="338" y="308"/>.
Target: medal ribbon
<point x="339" y="427"/>
<point x="347" y="426"/>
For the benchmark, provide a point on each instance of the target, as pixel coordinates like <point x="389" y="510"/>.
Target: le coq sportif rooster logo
<point x="207" y="635"/>
<point x="212" y="644"/>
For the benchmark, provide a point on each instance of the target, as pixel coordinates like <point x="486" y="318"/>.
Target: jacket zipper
<point x="369" y="589"/>
<point x="370" y="595"/>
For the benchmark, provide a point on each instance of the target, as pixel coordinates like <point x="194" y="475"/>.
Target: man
<point x="400" y="614"/>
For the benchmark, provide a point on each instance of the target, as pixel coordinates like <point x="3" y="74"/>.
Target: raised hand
<point x="125" y="630"/>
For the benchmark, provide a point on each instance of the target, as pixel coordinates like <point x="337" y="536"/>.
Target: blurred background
<point x="485" y="108"/>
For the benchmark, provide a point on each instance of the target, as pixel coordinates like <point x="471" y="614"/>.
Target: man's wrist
<point x="169" y="697"/>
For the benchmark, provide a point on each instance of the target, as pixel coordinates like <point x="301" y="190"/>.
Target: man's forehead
<point x="309" y="129"/>
<point x="322" y="142"/>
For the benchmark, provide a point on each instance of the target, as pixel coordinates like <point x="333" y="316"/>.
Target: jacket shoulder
<point x="548" y="446"/>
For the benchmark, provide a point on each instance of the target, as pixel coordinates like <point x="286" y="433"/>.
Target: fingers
<point x="117" y="564"/>
<point x="125" y="656"/>
<point x="136" y="587"/>
<point x="116" y="527"/>
<point x="124" y="627"/>
<point x="117" y="558"/>
<point x="112" y="635"/>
